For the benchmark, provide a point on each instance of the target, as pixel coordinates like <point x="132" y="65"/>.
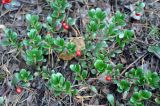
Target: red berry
<point x="64" y="24"/>
<point x="108" y="78"/>
<point x="138" y="14"/>
<point x="66" y="27"/>
<point x="6" y="1"/>
<point x="78" y="53"/>
<point x="18" y="90"/>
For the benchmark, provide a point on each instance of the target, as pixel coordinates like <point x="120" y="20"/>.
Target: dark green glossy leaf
<point x="145" y="94"/>
<point x="135" y="97"/>
<point x="100" y="65"/>
<point x="84" y="74"/>
<point x="68" y="86"/>
<point x="91" y="13"/>
<point x="74" y="92"/>
<point x="76" y="68"/>
<point x="124" y="85"/>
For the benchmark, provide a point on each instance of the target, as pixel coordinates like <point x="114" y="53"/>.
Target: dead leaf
<point x="79" y="42"/>
<point x="66" y="56"/>
<point x="123" y="60"/>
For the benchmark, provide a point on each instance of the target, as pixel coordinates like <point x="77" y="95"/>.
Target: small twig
<point x="132" y="64"/>
<point x="74" y="31"/>
<point x="17" y="99"/>
<point x="5" y="12"/>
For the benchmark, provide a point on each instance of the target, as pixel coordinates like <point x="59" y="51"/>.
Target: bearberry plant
<point x="105" y="37"/>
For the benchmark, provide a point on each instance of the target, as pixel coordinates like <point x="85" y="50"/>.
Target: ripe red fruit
<point x="108" y="78"/>
<point x="6" y="1"/>
<point x="66" y="27"/>
<point x="138" y="14"/>
<point x="18" y="90"/>
<point x="78" y="53"/>
<point x="64" y="24"/>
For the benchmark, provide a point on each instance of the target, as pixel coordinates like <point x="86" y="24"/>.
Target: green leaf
<point x="26" y="42"/>
<point x="71" y="47"/>
<point x="124" y="85"/>
<point x="93" y="88"/>
<point x="54" y="6"/>
<point x="141" y="80"/>
<point x="54" y="79"/>
<point x="91" y="13"/>
<point x="78" y="78"/>
<point x="128" y="34"/>
<point x="100" y="65"/>
<point x="121" y="35"/>
<point x="49" y="19"/>
<point x="48" y="42"/>
<point x="71" y="21"/>
<point x="57" y="92"/>
<point x="74" y="92"/>
<point x="152" y="79"/>
<point x="108" y="68"/>
<point x="1" y="100"/>
<point x="25" y="75"/>
<point x="32" y="33"/>
<point x="33" y="19"/>
<point x="55" y="14"/>
<point x="110" y="98"/>
<point x="93" y="26"/>
<point x="155" y="50"/>
<point x="100" y="14"/>
<point x="76" y="68"/>
<point x="145" y="94"/>
<point x="142" y="4"/>
<point x="38" y="26"/>
<point x="10" y="38"/>
<point x="84" y="74"/>
<point x="4" y="42"/>
<point x="68" y="86"/>
<point x="138" y="72"/>
<point x="28" y="17"/>
<point x="59" y="42"/>
<point x="111" y="30"/>
<point x="15" y="79"/>
<point x="157" y="100"/>
<point x="119" y="19"/>
<point x="33" y="56"/>
<point x="135" y="97"/>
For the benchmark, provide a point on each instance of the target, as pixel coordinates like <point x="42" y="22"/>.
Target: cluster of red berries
<point x="65" y="25"/>
<point x="6" y="1"/>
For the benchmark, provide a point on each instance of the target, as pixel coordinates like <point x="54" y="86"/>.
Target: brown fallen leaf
<point x="66" y="56"/>
<point x="79" y="42"/>
<point x="123" y="60"/>
<point x="80" y="45"/>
